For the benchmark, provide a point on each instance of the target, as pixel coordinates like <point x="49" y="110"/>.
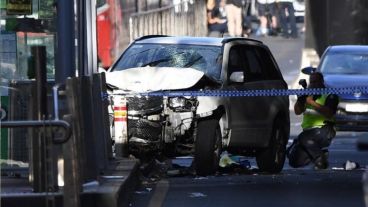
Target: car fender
<point x="207" y="106"/>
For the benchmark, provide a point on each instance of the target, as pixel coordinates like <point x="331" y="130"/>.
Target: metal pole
<point x="87" y="44"/>
<point x="38" y="144"/>
<point x="44" y="161"/>
<point x="39" y="54"/>
<point x="65" y="57"/>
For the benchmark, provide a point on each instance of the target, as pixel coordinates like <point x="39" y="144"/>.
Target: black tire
<point x="272" y="158"/>
<point x="208" y="145"/>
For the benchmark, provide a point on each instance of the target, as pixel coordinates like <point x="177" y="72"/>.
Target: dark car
<point x="347" y="66"/>
<point x="203" y="126"/>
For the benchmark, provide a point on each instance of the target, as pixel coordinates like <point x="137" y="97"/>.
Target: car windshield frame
<point x="338" y="63"/>
<point x="204" y="58"/>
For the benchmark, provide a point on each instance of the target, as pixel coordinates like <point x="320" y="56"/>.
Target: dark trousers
<point x="288" y="6"/>
<point x="310" y="145"/>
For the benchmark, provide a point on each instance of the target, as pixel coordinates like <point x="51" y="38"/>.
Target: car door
<point x="250" y="117"/>
<point x="273" y="80"/>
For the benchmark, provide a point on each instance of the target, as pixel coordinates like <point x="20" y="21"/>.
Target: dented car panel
<point x="208" y="104"/>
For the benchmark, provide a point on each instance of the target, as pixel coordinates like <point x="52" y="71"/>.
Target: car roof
<point x="348" y="48"/>
<point x="212" y="41"/>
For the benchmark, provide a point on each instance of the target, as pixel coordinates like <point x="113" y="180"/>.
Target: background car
<point x="347" y="66"/>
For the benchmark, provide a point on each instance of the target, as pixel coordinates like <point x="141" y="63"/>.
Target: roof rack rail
<point x="150" y="36"/>
<point x="230" y="39"/>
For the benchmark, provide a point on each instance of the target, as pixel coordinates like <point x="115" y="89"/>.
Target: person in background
<point x="287" y="19"/>
<point x="234" y="17"/>
<point x="247" y="18"/>
<point x="266" y="8"/>
<point x="318" y="127"/>
<point x="216" y="18"/>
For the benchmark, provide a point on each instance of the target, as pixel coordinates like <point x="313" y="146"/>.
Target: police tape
<point x="357" y="91"/>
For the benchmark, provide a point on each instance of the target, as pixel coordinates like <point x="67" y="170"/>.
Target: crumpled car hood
<point x="147" y="79"/>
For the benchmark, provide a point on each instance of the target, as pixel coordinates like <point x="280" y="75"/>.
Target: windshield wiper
<point x="143" y="51"/>
<point x="154" y="63"/>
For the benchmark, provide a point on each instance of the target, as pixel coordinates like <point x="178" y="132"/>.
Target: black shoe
<point x="272" y="32"/>
<point x="321" y="162"/>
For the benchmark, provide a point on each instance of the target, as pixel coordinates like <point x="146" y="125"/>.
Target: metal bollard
<point x="120" y="122"/>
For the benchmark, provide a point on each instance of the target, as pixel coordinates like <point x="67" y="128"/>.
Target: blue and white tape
<point x="253" y="93"/>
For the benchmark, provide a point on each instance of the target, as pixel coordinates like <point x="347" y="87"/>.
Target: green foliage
<point x="46" y="9"/>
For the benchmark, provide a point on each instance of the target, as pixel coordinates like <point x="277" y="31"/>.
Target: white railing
<point x="183" y="18"/>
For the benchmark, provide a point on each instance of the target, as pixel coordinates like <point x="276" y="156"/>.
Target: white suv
<point x="202" y="125"/>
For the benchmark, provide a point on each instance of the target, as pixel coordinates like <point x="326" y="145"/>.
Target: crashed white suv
<point x="202" y="126"/>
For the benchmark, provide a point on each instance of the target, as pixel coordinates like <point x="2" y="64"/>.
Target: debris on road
<point x="231" y="163"/>
<point x="225" y="160"/>
<point x="337" y="168"/>
<point x="197" y="195"/>
<point x="349" y="165"/>
<point x="200" y="178"/>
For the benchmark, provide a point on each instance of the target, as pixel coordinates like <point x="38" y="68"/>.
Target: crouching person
<point x="311" y="146"/>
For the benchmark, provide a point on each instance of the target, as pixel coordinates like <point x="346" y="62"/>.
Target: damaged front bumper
<point x="153" y="123"/>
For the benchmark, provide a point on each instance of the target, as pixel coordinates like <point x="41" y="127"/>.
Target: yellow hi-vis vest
<point x="312" y="118"/>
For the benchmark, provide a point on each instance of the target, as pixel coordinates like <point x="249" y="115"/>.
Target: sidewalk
<point x="113" y="189"/>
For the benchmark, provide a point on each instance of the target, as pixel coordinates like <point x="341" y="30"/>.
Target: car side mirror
<point x="309" y="70"/>
<point x="237" y="77"/>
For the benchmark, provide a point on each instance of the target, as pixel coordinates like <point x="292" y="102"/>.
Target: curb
<point x="119" y="183"/>
<point x="113" y="189"/>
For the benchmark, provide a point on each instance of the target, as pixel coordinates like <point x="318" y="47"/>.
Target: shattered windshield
<point x="203" y="58"/>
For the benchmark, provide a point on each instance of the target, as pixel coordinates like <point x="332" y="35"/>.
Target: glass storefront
<point x="19" y="32"/>
<point x="23" y="25"/>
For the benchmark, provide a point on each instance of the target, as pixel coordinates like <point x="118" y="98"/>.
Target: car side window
<point x="269" y="69"/>
<point x="245" y="58"/>
<point x="236" y="61"/>
<point x="256" y="63"/>
<point x="255" y="68"/>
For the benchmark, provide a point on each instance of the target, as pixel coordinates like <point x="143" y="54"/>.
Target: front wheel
<point x="272" y="158"/>
<point x="208" y="146"/>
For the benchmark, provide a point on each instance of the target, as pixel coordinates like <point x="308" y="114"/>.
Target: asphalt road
<point x="301" y="187"/>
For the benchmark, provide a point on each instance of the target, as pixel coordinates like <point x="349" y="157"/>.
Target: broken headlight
<point x="182" y="104"/>
<point x="177" y="102"/>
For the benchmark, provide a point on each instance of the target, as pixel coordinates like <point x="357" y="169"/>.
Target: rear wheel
<point x="272" y="158"/>
<point x="208" y="146"/>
